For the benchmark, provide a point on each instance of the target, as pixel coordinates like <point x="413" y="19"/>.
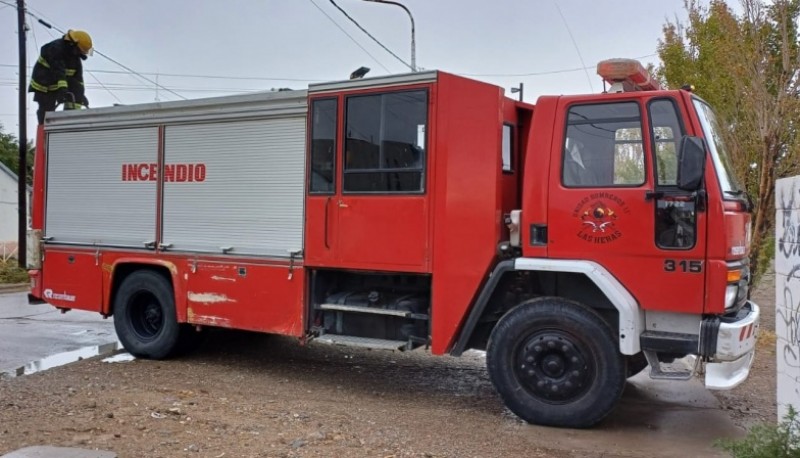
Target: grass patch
<point x="10" y="272"/>
<point x="768" y="441"/>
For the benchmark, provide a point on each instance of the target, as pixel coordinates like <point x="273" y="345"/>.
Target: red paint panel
<point x="385" y="233"/>
<point x="537" y="172"/>
<point x="629" y="250"/>
<point x="467" y="200"/>
<point x="72" y="279"/>
<point x="246" y="296"/>
<point x="319" y="241"/>
<point x="39" y="179"/>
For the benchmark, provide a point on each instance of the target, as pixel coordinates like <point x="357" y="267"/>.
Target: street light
<point x="413" y="39"/>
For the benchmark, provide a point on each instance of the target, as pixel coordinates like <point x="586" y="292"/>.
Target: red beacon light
<point x="626" y="75"/>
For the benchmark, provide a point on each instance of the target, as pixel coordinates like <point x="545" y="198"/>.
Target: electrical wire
<point x="133" y="72"/>
<point x="370" y="35"/>
<point x="349" y="36"/>
<point x="548" y="72"/>
<point x="186" y="75"/>
<point x="574" y="43"/>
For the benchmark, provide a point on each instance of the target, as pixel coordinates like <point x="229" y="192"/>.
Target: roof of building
<point x="9" y="172"/>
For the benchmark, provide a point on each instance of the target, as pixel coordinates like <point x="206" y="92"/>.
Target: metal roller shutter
<point x="87" y="200"/>
<point x="248" y="196"/>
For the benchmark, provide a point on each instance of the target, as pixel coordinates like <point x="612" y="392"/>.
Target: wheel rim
<point x="146" y="316"/>
<point x="553" y="366"/>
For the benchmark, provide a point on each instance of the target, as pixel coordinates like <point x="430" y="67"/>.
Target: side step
<point x="657" y="371"/>
<point x="363" y="342"/>
<point x="372" y="310"/>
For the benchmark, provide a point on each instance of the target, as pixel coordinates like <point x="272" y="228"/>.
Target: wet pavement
<point x="37" y="337"/>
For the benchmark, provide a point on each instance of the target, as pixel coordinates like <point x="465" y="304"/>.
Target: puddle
<point x="61" y="359"/>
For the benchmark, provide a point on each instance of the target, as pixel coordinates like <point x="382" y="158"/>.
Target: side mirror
<point x="691" y="163"/>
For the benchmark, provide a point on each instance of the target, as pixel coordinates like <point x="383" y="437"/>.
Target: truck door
<point x="367" y="205"/>
<point x="613" y="200"/>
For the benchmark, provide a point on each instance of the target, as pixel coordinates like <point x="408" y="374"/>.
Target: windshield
<point x="719" y="153"/>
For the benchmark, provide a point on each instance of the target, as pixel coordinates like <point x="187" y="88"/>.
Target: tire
<point x="144" y="316"/>
<point x="635" y="364"/>
<point x="555" y="362"/>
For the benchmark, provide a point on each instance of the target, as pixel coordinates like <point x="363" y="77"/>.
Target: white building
<point x="9" y="211"/>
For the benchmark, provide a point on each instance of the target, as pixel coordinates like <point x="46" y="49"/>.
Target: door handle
<point x="650" y="195"/>
<point x="342" y="204"/>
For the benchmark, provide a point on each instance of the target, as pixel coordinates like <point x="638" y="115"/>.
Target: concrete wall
<point x="787" y="292"/>
<point x="8" y="208"/>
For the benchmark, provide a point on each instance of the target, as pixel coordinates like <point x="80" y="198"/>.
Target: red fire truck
<point x="576" y="241"/>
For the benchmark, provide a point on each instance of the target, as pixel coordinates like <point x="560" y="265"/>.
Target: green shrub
<point x="768" y="441"/>
<point x="10" y="272"/>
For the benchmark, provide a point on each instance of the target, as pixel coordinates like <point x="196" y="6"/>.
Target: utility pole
<point x="413" y="38"/>
<point x="22" y="172"/>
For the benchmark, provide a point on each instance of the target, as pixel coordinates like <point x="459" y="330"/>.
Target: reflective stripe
<point x="60" y="85"/>
<point x="38" y="87"/>
<point x="43" y="62"/>
<point x="71" y="72"/>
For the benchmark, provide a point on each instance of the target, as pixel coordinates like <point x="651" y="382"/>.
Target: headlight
<point x="731" y="292"/>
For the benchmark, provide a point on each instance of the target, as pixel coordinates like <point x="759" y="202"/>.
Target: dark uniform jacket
<point x="59" y="70"/>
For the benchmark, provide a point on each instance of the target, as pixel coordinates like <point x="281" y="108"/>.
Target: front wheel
<point x="144" y="315"/>
<point x="555" y="362"/>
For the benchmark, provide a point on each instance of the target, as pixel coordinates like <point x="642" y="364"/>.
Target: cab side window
<point x="604" y="146"/>
<point x="385" y="142"/>
<point x="676" y="216"/>
<point x="323" y="146"/>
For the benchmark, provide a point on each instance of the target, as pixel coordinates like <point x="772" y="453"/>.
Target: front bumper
<point x="736" y="344"/>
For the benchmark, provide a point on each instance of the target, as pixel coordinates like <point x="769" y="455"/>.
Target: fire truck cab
<point x="576" y="241"/>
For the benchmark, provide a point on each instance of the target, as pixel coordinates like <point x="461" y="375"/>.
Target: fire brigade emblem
<point x="598" y="216"/>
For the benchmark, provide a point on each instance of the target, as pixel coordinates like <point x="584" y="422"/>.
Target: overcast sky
<point x="231" y="47"/>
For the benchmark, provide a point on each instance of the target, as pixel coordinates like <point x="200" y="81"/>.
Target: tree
<point x="748" y="68"/>
<point x="9" y="154"/>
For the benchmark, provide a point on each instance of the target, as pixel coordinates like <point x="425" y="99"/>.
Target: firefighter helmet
<point x="81" y="39"/>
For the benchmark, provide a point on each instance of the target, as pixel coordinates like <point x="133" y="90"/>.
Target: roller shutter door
<point x="88" y="202"/>
<point x="235" y="185"/>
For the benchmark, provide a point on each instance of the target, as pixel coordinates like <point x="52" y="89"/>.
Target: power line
<point x="50" y="26"/>
<point x="547" y="72"/>
<point x="134" y="87"/>
<point x="574" y="43"/>
<point x="186" y="75"/>
<point x="349" y="36"/>
<point x="370" y="35"/>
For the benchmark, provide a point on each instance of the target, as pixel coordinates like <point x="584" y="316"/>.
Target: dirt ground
<point x="754" y="401"/>
<point x="247" y="395"/>
<point x="251" y="395"/>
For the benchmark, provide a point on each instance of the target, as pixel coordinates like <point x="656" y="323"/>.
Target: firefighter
<point x="57" y="76"/>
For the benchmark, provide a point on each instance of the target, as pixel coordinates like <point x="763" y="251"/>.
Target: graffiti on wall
<point x="787" y="313"/>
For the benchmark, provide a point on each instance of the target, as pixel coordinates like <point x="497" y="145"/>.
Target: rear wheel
<point x="144" y="315"/>
<point x="555" y="362"/>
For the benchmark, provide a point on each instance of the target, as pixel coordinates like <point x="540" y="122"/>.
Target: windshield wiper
<point x="736" y="193"/>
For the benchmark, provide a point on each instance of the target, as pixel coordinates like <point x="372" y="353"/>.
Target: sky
<point x="204" y="48"/>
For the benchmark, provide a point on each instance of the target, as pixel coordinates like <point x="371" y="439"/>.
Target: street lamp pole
<point x="413" y="38"/>
<point x="22" y="172"/>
